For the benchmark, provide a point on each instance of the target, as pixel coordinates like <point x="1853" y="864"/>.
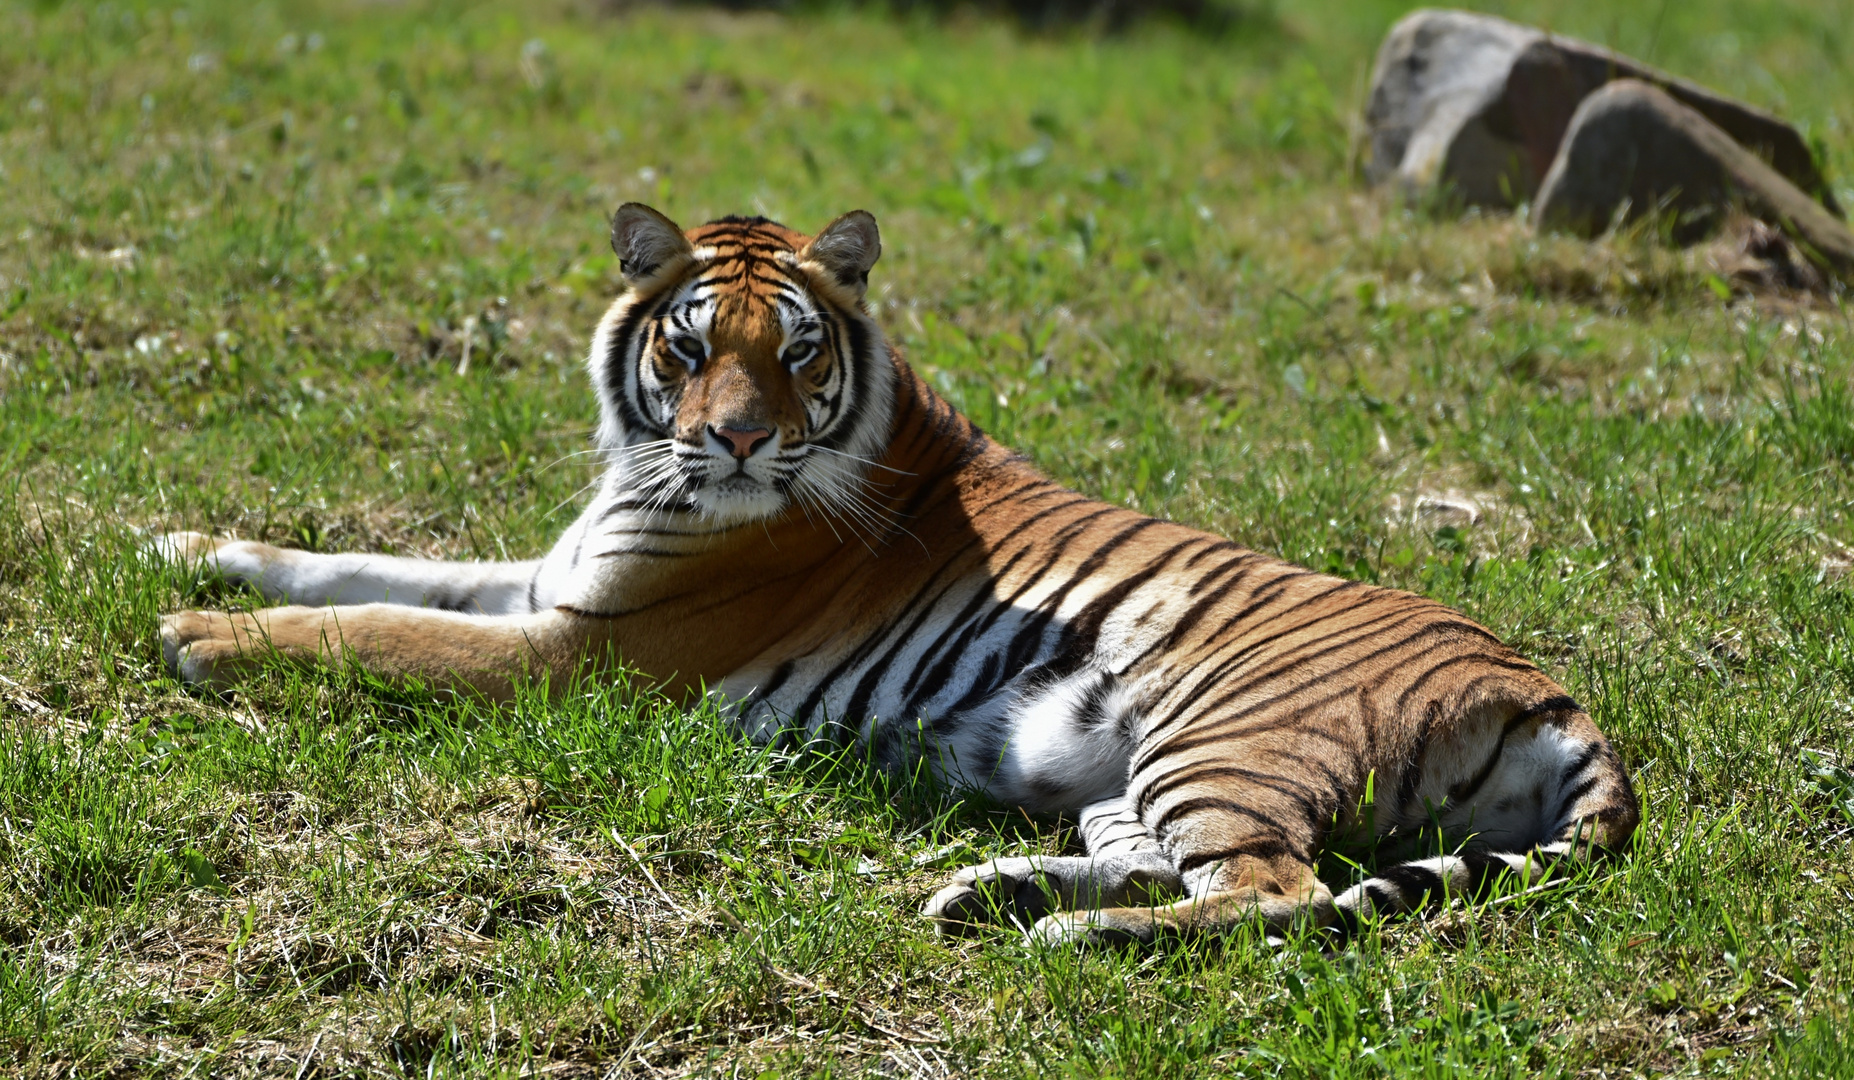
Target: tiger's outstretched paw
<point x="1002" y="890"/>
<point x="210" y="650"/>
<point x="182" y="547"/>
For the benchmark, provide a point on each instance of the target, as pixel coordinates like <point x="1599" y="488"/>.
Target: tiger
<point x="792" y="520"/>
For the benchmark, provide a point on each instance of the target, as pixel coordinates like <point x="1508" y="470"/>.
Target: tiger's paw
<point x="209" y="650"/>
<point x="235" y="562"/>
<point x="999" y="891"/>
<point x="182" y="547"/>
<point x="1087" y="929"/>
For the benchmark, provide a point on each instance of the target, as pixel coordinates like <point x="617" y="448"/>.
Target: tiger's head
<point x="739" y="374"/>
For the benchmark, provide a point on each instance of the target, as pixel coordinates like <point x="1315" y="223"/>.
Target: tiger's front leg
<point x="487" y="655"/>
<point x="306" y="577"/>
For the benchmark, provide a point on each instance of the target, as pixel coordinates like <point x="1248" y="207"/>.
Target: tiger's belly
<point x="1040" y="741"/>
<point x="999" y="696"/>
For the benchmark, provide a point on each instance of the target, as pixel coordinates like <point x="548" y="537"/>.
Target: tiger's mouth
<point x="730" y="491"/>
<point x="736" y="496"/>
<point x="739" y="483"/>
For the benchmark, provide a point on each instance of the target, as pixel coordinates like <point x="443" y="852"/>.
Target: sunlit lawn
<point x="244" y="250"/>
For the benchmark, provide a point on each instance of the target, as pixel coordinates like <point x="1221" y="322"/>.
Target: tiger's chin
<point x="738" y="500"/>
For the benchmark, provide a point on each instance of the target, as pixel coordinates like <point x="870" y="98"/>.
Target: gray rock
<point x="1631" y="149"/>
<point x="1437" y="74"/>
<point x="1479" y="105"/>
<point x="1552" y="76"/>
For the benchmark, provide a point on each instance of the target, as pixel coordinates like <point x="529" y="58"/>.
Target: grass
<point x="244" y="249"/>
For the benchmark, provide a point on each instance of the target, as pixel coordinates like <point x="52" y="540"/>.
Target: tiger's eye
<point x="800" y="352"/>
<point x="689" y="348"/>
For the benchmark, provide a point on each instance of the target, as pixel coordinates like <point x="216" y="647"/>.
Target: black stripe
<point x="1484" y="870"/>
<point x="645" y="530"/>
<point x="764" y="693"/>
<point x="1188" y="807"/>
<point x="652" y="552"/>
<point x="1508" y="663"/>
<point x="1016" y="498"/>
<point x="1419" y="750"/>
<point x="1412" y="881"/>
<point x="1217" y="545"/>
<point x="862" y="357"/>
<point x="1464" y="792"/>
<point x="1225" y="726"/>
<point x="1091" y="711"/>
<point x="580" y="544"/>
<point x="1025" y="645"/>
<point x="584" y="614"/>
<point x="872" y="678"/>
<point x="1164" y="785"/>
<point x="873" y="641"/>
<point x="1236" y="568"/>
<point x="642" y="310"/>
<point x="835" y="335"/>
<point x="1088" y="621"/>
<point x="1297" y="658"/>
<point x="928" y="684"/>
<point x="1569" y="799"/>
<point x="1261" y="598"/>
<point x="1265" y="848"/>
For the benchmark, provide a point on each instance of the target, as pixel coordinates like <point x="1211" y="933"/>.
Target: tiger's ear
<point x="846" y="249"/>
<point x="644" y="241"/>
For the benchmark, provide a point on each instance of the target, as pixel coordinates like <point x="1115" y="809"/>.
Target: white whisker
<point x="805" y="501"/>
<point x="847" y="496"/>
<point x="564" y="458"/>
<point x="860" y="460"/>
<point x="594" y="482"/>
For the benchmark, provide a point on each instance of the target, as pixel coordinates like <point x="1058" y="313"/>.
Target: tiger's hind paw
<point x="1000" y="891"/>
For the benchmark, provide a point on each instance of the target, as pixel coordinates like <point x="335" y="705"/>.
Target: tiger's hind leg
<point x="1268" y="885"/>
<point x="1125" y="864"/>
<point x="1242" y="822"/>
<point x="1558" y="793"/>
<point x="1551" y="789"/>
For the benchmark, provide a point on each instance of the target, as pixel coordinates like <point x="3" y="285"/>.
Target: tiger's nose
<point x="744" y="441"/>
